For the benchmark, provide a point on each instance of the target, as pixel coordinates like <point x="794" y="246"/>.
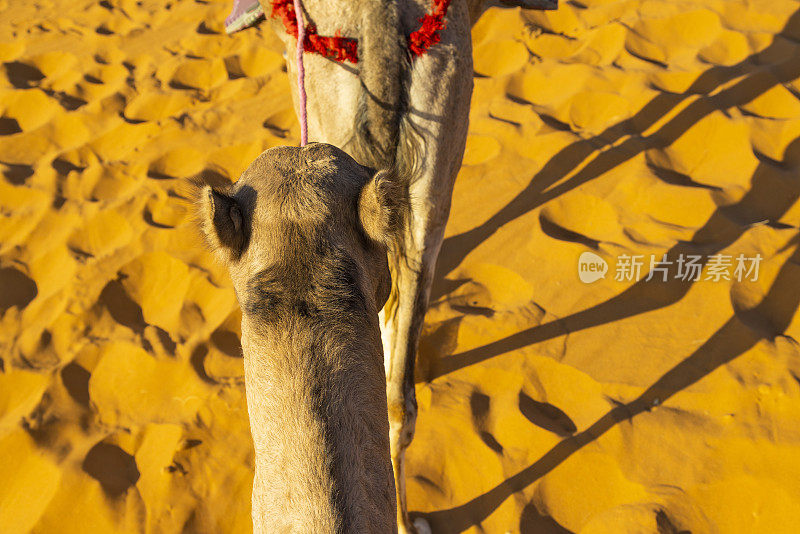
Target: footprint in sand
<point x="22" y="75"/>
<point x="158" y="282"/>
<point x="56" y="66"/>
<point x="480" y="405"/>
<point x="228" y="342"/>
<point x="9" y="126"/>
<point x="26" y="109"/>
<point x="16" y="174"/>
<point x="118" y="181"/>
<point x="729" y="48"/>
<point x="76" y="381"/>
<point x="594" y="111"/>
<point x="545" y="415"/>
<point x="162" y="214"/>
<point x="102" y="81"/>
<point x="114" y="468"/>
<point x="582" y="218"/>
<point x="117" y="24"/>
<point x="220" y="360"/>
<point x="123" y="309"/>
<point x="253" y="63"/>
<point x="109" y="54"/>
<point x="131" y="387"/>
<point x="221" y="368"/>
<point x="727" y="158"/>
<point x="154" y="105"/>
<point x="178" y="163"/>
<point x="498" y="58"/>
<point x="16" y="289"/>
<point x="281" y="123"/>
<point x="101" y="235"/>
<point x="234" y="159"/>
<point x="202" y="74"/>
<point x="117" y="143"/>
<point x="674" y="39"/>
<point x="160" y="340"/>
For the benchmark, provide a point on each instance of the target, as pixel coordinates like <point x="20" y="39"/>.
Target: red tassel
<point x="431" y="24"/>
<point x="337" y="48"/>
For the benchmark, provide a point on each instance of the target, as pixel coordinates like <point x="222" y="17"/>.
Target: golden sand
<point x="546" y="405"/>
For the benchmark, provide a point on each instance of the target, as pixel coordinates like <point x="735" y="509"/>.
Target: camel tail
<point x="382" y="62"/>
<point x="384" y="137"/>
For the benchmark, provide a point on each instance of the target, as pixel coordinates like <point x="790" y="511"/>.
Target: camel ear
<point x="379" y="207"/>
<point x="222" y="222"/>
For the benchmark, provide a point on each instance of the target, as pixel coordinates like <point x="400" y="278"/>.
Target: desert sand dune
<point x="619" y="127"/>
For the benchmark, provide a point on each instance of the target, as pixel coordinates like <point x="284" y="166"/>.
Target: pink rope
<point x="301" y="73"/>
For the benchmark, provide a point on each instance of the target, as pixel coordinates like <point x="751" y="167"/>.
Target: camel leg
<point x="402" y="320"/>
<point x="439" y="96"/>
<point x="404" y="325"/>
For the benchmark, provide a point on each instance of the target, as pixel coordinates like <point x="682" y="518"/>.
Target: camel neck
<point x="317" y="404"/>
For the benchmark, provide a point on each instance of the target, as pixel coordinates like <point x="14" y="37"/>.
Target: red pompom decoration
<point x="336" y="48"/>
<point x="428" y="34"/>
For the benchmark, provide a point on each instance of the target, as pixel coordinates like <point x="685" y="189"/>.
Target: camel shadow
<point x="760" y="205"/>
<point x="724" y="227"/>
<point x="757" y="206"/>
<point x="547" y="184"/>
<point x="738" y="335"/>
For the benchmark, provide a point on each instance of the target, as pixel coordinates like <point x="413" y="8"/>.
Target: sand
<point x="547" y="405"/>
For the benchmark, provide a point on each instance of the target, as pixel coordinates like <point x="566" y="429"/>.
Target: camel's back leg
<point x="439" y="97"/>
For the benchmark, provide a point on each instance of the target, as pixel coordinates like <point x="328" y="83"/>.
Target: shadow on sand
<point x="739" y="334"/>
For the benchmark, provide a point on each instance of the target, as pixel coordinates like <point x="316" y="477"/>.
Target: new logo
<point x="591" y="267"/>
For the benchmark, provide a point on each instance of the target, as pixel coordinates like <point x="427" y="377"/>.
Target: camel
<point x="304" y="234"/>
<point x="320" y="309"/>
<point x="390" y="112"/>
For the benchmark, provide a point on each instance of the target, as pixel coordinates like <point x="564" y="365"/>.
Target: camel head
<point x="304" y="231"/>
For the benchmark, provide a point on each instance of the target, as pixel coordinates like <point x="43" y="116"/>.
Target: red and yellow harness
<point x="341" y="49"/>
